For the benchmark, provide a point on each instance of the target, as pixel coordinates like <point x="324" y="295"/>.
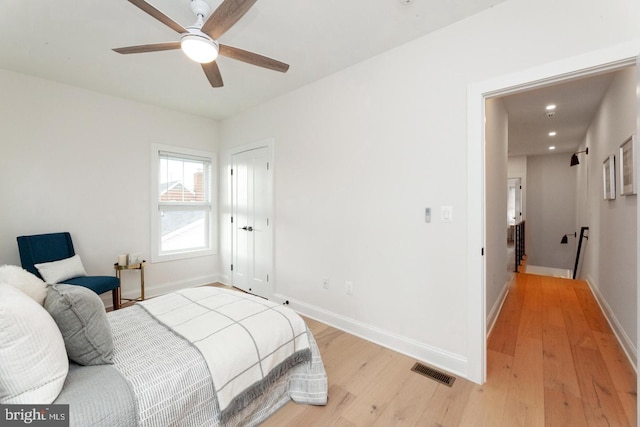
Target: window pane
<point x="182" y="180"/>
<point x="183" y="195"/>
<point x="182" y="230"/>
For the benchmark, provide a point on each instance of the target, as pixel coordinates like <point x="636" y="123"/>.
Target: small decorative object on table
<point x="123" y="259"/>
<point x="137" y="266"/>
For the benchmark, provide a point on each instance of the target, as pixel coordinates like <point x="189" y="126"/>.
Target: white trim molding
<point x="452" y="363"/>
<point x="497" y="307"/>
<point x="165" y="288"/>
<point x="607" y="59"/>
<point x="627" y="344"/>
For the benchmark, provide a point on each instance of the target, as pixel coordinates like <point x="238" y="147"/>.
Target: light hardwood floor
<point x="552" y="361"/>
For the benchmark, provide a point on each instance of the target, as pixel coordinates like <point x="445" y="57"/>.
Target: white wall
<point x="361" y="153"/>
<point x="497" y="143"/>
<point x="611" y="252"/>
<point x="551" y="207"/>
<point x="78" y="161"/>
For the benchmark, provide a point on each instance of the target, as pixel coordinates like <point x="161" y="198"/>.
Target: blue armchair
<point x="50" y="247"/>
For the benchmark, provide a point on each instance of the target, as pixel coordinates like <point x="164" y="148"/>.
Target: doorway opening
<point x="514" y="219"/>
<point x="587" y="65"/>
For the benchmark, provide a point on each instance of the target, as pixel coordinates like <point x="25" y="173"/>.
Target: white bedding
<point x="246" y="341"/>
<point x="172" y="386"/>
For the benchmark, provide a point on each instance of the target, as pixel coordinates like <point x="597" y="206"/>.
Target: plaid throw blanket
<point x="247" y="342"/>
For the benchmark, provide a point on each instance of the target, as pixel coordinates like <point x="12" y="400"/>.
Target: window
<point x="182" y="203"/>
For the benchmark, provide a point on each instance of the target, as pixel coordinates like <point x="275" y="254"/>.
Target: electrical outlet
<point x="325" y="283"/>
<point x="348" y="287"/>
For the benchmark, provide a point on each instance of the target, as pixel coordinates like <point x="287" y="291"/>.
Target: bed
<point x="197" y="357"/>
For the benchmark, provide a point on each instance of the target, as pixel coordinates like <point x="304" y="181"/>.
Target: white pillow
<point x="27" y="282"/>
<point x="57" y="271"/>
<point x="34" y="361"/>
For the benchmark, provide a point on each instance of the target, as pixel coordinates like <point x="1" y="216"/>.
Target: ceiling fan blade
<point x="253" y="58"/>
<point x="212" y="72"/>
<point x="144" y="48"/>
<point x="141" y="4"/>
<point x="225" y="16"/>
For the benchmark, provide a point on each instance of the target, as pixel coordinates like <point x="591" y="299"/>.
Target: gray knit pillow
<point x="81" y="317"/>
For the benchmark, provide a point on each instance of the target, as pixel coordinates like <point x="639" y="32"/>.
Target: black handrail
<point x="519" y="238"/>
<point x="582" y="236"/>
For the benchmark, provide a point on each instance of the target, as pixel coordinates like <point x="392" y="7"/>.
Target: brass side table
<point x="138" y="266"/>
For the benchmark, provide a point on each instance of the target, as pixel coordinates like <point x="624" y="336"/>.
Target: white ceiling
<point x="70" y="41"/>
<point x="576" y="103"/>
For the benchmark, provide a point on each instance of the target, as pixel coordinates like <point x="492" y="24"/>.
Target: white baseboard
<point x="492" y="317"/>
<point x="164" y="288"/>
<point x="627" y="344"/>
<point x="452" y="363"/>
<point x="225" y="279"/>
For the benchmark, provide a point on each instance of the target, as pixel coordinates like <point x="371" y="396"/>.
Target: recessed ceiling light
<point x="552" y="147"/>
<point x="551" y="107"/>
<point x="553" y="133"/>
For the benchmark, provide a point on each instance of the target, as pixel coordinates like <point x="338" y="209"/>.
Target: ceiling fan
<point x="200" y="40"/>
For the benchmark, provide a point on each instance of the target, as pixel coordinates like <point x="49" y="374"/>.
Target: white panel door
<point x="514" y="202"/>
<point x="251" y="193"/>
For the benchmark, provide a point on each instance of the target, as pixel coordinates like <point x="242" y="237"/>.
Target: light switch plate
<point x="427" y="214"/>
<point x="446" y="213"/>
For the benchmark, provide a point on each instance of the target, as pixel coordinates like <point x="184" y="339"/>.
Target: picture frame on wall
<point x="627" y="167"/>
<point x="609" y="177"/>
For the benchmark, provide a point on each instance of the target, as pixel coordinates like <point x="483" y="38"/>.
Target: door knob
<point x="249" y="228"/>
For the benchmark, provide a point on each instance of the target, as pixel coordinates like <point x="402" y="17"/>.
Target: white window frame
<point x="210" y="207"/>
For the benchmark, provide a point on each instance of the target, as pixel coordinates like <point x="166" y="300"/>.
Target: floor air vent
<point x="433" y="374"/>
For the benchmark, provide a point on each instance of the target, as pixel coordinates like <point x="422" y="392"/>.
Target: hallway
<point x="556" y="360"/>
<point x="552" y="360"/>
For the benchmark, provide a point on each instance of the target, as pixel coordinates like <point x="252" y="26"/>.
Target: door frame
<point x="608" y="59"/>
<point x="270" y="144"/>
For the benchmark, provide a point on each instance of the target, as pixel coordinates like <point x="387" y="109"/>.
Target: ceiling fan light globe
<point x="198" y="48"/>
